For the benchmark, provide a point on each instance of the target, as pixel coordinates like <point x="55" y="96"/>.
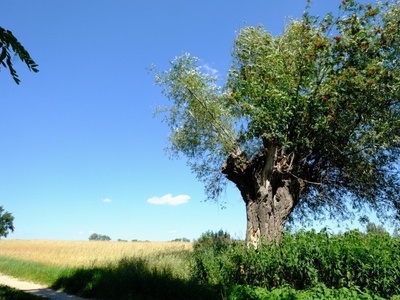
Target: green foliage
<point x="211" y="257"/>
<point x="352" y="265"/>
<point x="7" y="41"/>
<point x="6" y="222"/>
<point x="326" y="91"/>
<point x="99" y="237"/>
<point x="200" y="122"/>
<point x="306" y="260"/>
<point x="216" y="240"/>
<point x="286" y="292"/>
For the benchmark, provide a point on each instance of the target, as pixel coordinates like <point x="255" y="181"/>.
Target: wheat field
<point x="85" y="253"/>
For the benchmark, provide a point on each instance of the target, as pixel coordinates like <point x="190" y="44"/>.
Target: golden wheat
<point x="84" y="253"/>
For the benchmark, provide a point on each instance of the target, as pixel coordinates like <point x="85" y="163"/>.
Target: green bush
<point x="320" y="291"/>
<point x="303" y="260"/>
<point x="210" y="257"/>
<point x="217" y="240"/>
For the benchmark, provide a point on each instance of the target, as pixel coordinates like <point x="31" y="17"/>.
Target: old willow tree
<point x="307" y="121"/>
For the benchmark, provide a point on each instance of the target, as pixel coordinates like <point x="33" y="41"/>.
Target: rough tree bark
<point x="268" y="189"/>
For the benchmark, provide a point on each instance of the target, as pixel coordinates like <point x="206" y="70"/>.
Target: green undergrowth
<point x="304" y="261"/>
<point x="318" y="292"/>
<point x="305" y="265"/>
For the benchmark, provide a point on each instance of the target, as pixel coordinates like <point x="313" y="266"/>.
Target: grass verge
<point x="132" y="278"/>
<point x="7" y="293"/>
<point x="31" y="271"/>
<point x="129" y="278"/>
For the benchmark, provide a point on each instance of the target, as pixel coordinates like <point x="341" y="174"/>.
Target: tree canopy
<point x="8" y="45"/>
<point x="325" y="93"/>
<point x="6" y="222"/>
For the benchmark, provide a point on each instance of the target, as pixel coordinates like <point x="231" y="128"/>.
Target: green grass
<point x="133" y="278"/>
<point x="130" y="278"/>
<point x="7" y="293"/>
<point x="31" y="271"/>
<point x="305" y="265"/>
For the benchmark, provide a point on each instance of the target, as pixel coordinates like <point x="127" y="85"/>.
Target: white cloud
<point x="210" y="70"/>
<point x="169" y="200"/>
<point x="107" y="200"/>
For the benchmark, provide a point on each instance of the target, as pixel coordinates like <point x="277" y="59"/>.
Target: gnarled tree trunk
<point x="268" y="189"/>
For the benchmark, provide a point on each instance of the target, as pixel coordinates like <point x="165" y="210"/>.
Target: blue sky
<point x="80" y="151"/>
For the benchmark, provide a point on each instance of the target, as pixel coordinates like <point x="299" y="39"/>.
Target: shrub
<point x="303" y="260"/>
<point x="211" y="256"/>
<point x="320" y="291"/>
<point x="218" y="240"/>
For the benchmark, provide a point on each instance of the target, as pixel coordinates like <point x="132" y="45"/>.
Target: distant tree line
<point x="186" y="240"/>
<point x="210" y="236"/>
<point x="99" y="237"/>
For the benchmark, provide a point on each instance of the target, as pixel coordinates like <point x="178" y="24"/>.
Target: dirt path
<point x="33" y="288"/>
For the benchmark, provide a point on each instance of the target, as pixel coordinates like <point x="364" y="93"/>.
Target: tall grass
<point x="306" y="260"/>
<point x="133" y="278"/>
